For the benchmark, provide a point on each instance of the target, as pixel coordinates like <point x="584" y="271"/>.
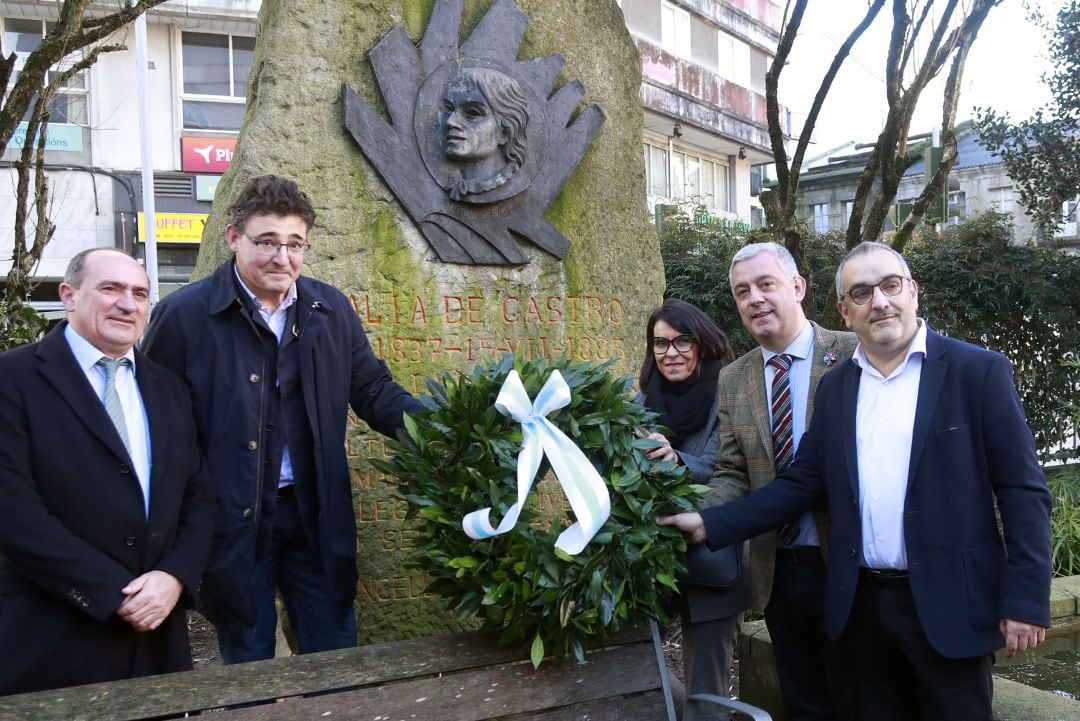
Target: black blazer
<point x="73" y="530"/>
<point x="970" y="445"/>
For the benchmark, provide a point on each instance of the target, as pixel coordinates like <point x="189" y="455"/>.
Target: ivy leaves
<point x="460" y="454"/>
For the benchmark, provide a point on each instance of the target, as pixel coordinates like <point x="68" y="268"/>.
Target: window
<point x="957" y="204"/>
<point x="68" y="105"/>
<point x="756" y="179"/>
<point x="759" y="67"/>
<point x="733" y="60"/>
<point x="678" y="175"/>
<point x="691" y="177"/>
<point x="821" y="217"/>
<point x="714" y="185"/>
<point x="656" y="170"/>
<point x="215" y="71"/>
<point x="675" y="30"/>
<point x="847" y="206"/>
<point x="1001" y="199"/>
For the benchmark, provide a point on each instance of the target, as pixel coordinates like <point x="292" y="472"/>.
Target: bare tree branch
<point x="32" y="91"/>
<point x="827" y="81"/>
<point x="72" y="32"/>
<point x="772" y="85"/>
<point x="880" y="179"/>
<point x="780" y="205"/>
<point x="950" y="104"/>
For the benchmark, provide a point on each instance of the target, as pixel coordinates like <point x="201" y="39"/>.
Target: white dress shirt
<point x="884" y="423"/>
<point x="275" y="320"/>
<point x="127" y="389"/>
<point x="801" y="351"/>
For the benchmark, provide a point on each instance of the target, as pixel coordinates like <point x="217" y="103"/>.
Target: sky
<point x="1002" y="71"/>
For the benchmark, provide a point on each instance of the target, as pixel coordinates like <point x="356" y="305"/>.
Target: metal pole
<point x="149" y="214"/>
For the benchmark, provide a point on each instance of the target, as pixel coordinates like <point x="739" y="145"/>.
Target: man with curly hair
<point x="274" y="360"/>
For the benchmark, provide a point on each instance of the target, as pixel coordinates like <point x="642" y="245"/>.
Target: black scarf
<point x="684" y="407"/>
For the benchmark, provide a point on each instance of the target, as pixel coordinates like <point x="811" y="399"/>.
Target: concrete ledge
<point x="1063" y="603"/>
<point x="1012" y="701"/>
<point x="1016" y="702"/>
<point x="1061" y="590"/>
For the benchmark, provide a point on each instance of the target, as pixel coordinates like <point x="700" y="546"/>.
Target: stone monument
<point x="477" y="171"/>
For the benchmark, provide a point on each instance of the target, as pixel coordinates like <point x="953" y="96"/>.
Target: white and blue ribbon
<point x="583" y="486"/>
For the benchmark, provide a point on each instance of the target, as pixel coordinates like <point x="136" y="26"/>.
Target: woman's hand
<point x="665" y="452"/>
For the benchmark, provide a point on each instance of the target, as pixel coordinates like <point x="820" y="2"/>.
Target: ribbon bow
<point x="581" y="483"/>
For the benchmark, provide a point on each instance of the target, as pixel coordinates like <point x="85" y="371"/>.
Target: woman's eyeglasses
<point x="683" y="343"/>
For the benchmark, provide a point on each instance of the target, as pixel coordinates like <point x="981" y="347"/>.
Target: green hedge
<point x="696" y="261"/>
<point x="1021" y="301"/>
<point x="20" y="326"/>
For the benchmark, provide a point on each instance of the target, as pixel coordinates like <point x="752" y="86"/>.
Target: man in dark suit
<point x="787" y="574"/>
<point x="106" y="513"/>
<point x="913" y="441"/>
<point x="274" y="360"/>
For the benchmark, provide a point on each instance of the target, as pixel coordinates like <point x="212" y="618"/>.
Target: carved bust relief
<point x="477" y="145"/>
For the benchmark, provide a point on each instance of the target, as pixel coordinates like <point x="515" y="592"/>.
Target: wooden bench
<point x="459" y="677"/>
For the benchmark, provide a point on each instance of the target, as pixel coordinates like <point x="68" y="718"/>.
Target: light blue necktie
<point x="111" y="398"/>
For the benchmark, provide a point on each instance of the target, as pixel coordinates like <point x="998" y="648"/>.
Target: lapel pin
<point x="829" y="358"/>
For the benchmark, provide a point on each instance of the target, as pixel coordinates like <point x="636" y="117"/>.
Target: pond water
<point x="1053" y="666"/>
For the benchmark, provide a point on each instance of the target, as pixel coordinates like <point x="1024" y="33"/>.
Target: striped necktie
<point x="111" y="398"/>
<point x="783" y="440"/>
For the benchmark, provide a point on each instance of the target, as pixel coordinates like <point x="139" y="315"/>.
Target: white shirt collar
<point x="917" y="346"/>
<point x="800" y="349"/>
<point x="290" y="297"/>
<point x="86" y="355"/>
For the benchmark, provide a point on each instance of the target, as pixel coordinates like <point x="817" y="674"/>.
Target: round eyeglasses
<point x="683" y="343"/>
<point x="890" y="285"/>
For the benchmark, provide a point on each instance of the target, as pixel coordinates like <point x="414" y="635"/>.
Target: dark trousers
<point x="708" y="648"/>
<point x="898" y="674"/>
<point x="292" y="565"/>
<point x="813" y="682"/>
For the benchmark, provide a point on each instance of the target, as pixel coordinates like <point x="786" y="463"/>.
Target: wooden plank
<point x="479" y="694"/>
<point x="172" y="695"/>
<point x="647" y="706"/>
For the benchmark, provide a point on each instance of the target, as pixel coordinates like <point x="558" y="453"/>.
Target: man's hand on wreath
<point x="691" y="524"/>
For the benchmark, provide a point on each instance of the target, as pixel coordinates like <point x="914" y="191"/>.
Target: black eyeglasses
<point x="683" y="343"/>
<point x="270" y="247"/>
<point x="890" y="285"/>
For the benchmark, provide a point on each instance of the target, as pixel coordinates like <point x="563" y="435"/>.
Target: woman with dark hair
<point x="685" y="351"/>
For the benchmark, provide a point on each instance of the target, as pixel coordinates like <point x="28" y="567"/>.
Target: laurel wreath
<point x="459" y="454"/>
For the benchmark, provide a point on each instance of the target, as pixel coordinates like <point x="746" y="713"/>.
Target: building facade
<point x="703" y="73"/>
<point x="703" y="65"/>
<point x="199" y="54"/>
<point x="978" y="181"/>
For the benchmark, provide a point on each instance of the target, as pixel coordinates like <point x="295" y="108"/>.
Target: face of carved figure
<point x="471" y="130"/>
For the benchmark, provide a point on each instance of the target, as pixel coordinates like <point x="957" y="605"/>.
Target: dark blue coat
<point x="970" y="445"/>
<point x="73" y="527"/>
<point x="202" y="334"/>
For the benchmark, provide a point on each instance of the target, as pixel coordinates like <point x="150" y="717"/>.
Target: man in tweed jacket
<point x="787" y="578"/>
